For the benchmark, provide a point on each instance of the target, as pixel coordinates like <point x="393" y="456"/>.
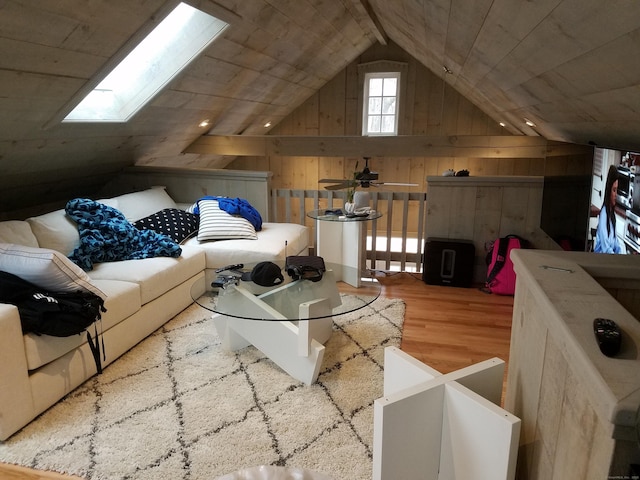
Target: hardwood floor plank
<point x="445" y="327"/>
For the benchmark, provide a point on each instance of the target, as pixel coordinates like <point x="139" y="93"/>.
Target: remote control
<point x="608" y="336"/>
<point x="236" y="266"/>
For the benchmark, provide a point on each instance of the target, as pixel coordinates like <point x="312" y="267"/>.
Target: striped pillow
<point x="48" y="269"/>
<point x="216" y="224"/>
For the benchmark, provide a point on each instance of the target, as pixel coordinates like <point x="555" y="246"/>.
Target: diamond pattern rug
<point x="178" y="406"/>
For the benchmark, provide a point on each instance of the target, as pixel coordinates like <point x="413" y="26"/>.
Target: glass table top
<point x="292" y="300"/>
<point x="339" y="215"/>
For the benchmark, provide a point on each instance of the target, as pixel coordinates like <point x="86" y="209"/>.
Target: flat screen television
<point x="572" y="205"/>
<point x="623" y="195"/>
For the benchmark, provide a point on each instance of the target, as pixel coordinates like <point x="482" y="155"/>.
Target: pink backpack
<point x="501" y="279"/>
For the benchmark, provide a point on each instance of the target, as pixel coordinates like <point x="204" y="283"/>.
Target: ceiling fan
<point x="365" y="179"/>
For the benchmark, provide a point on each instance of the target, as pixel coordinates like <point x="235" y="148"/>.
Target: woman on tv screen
<point x="606" y="239"/>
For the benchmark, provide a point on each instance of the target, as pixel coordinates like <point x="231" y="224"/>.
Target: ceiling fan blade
<point x="396" y="184"/>
<point x="339" y="186"/>
<point x="332" y="180"/>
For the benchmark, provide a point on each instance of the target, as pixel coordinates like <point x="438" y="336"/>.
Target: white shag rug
<point x="177" y="406"/>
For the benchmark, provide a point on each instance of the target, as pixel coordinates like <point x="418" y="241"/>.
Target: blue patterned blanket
<point x="107" y="236"/>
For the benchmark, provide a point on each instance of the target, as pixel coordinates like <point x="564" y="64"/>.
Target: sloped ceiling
<point x="568" y="65"/>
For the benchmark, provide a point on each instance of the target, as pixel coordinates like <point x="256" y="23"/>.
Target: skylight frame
<point x="199" y="30"/>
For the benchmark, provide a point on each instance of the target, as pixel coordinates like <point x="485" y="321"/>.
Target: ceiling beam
<point x="365" y="11"/>
<point x="472" y="146"/>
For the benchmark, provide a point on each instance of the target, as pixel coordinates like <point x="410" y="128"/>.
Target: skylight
<point x="164" y="53"/>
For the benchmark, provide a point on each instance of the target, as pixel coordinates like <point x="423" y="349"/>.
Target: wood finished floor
<point x="445" y="327"/>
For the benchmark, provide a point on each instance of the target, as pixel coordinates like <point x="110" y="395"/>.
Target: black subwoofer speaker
<point x="448" y="262"/>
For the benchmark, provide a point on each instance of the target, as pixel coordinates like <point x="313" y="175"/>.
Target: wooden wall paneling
<point x="576" y="428"/>
<point x="462" y="213"/>
<point x="332" y="106"/>
<point x="528" y="343"/>
<point x="487" y="217"/>
<point x="522" y="166"/>
<point x="288" y="172"/>
<point x="438" y="212"/>
<point x="514" y="207"/>
<point x="432" y="168"/>
<point x="420" y="102"/>
<point x="407" y="100"/>
<point x="464" y="114"/>
<point x="435" y="106"/>
<point x="552" y="390"/>
<point x="309" y="123"/>
<point x="353" y="101"/>
<point x="450" y="112"/>
<point x="411" y="102"/>
<point x="309" y="174"/>
<point x="328" y="167"/>
<point x="417" y="173"/>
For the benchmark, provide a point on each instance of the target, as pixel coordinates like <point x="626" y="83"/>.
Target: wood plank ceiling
<point x="568" y="65"/>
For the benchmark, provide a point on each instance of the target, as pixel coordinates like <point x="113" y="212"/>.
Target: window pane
<point x="375" y="87"/>
<point x="374" y="124"/>
<point x="390" y="87"/>
<point x="375" y="105"/>
<point x="389" y="105"/>
<point x="388" y="124"/>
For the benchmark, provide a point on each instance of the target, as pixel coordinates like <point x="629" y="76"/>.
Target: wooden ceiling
<point x="570" y="66"/>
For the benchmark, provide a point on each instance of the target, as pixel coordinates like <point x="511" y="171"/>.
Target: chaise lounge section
<point x="140" y="296"/>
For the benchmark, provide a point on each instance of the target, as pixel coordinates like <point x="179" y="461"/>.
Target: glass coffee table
<point x="289" y="322"/>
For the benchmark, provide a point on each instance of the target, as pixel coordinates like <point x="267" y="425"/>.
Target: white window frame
<point x="380" y="113"/>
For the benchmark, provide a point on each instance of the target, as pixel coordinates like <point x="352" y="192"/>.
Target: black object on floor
<point x="448" y="262"/>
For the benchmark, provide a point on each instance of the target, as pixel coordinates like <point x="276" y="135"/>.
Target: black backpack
<point x="56" y="314"/>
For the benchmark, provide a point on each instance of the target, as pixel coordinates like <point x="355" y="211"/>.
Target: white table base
<point x="295" y="346"/>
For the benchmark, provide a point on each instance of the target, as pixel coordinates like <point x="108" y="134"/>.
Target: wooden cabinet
<point x="577" y="406"/>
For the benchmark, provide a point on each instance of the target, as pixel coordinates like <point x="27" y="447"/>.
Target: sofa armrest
<point x="16" y="402"/>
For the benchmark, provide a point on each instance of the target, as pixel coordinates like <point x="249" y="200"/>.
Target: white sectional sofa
<point x="140" y="296"/>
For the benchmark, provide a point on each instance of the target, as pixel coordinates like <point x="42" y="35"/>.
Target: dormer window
<point x="381" y="102"/>
<point x="149" y="67"/>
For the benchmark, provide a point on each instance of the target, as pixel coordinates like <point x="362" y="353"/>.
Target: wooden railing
<point x="394" y="241"/>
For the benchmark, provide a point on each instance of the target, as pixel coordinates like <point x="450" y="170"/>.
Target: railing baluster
<point x="405" y="217"/>
<point x="387" y="261"/>
<point x="374" y="234"/>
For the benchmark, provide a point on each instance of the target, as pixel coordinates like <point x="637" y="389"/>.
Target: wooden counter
<point x="577" y="406"/>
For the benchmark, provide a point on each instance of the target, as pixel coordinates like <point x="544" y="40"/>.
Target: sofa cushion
<point x="154" y="275"/>
<point x="55" y="230"/>
<point x="122" y="301"/>
<point x="216" y="224"/>
<point x="18" y="232"/>
<point x="270" y="245"/>
<point x="46" y="268"/>
<point x="141" y="204"/>
<point x="172" y="222"/>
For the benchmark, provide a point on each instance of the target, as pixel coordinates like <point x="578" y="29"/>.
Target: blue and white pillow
<point x="216" y="224"/>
